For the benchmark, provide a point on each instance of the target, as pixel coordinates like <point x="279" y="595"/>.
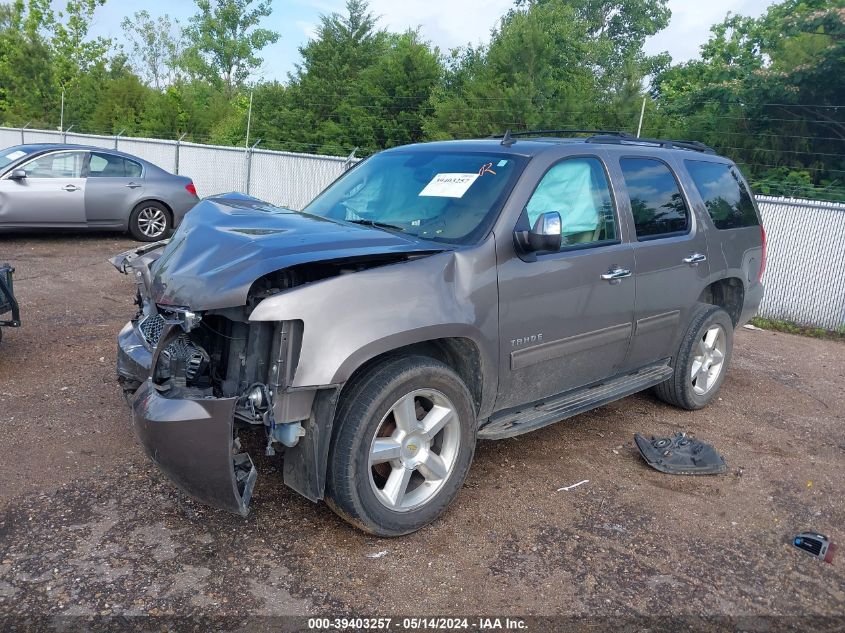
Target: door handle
<point x="616" y="273"/>
<point x="133" y="185"/>
<point x="70" y="188"/>
<point x="695" y="259"/>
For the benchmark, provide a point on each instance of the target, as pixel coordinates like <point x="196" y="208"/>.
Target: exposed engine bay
<point x="221" y="354"/>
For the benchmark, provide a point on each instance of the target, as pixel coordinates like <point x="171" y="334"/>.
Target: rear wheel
<point x="702" y="360"/>
<point x="150" y="221"/>
<point x="404" y="442"/>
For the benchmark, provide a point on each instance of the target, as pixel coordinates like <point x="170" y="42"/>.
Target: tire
<point x="365" y="494"/>
<point x="695" y="392"/>
<point x="150" y="221"/>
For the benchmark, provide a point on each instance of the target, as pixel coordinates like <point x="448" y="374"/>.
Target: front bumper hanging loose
<point x="191" y="440"/>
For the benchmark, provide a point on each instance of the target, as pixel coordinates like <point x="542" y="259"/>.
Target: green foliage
<point x="224" y="39"/>
<point x="778" y="325"/>
<point x="156" y="47"/>
<point x="767" y="91"/>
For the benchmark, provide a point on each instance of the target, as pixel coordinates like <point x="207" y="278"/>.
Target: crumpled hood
<point x="225" y="243"/>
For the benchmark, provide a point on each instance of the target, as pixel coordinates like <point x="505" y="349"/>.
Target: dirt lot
<point x="87" y="526"/>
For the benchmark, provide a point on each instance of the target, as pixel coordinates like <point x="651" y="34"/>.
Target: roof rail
<point x="564" y="132"/>
<point x="694" y="146"/>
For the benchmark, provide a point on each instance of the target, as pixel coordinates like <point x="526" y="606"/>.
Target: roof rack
<point x="607" y="136"/>
<point x="563" y="132"/>
<point x="627" y="139"/>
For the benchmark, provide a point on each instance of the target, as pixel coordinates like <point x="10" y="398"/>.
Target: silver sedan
<point x="75" y="186"/>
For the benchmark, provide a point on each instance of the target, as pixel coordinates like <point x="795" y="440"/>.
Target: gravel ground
<point x="88" y="527"/>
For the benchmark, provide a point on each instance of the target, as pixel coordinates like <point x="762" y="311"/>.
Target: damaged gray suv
<point x="434" y="295"/>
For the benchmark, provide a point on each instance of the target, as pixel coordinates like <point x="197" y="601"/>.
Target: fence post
<point x="117" y="136"/>
<point x="178" y="144"/>
<point x="22" y="129"/>
<point x="348" y="162"/>
<point x="249" y="165"/>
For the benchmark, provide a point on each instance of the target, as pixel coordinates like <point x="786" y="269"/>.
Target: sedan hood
<point x="225" y="243"/>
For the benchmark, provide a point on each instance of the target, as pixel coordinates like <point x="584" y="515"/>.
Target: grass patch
<point x="804" y="330"/>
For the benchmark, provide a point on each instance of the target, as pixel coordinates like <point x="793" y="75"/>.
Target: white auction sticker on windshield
<point x="15" y="155"/>
<point x="449" y="185"/>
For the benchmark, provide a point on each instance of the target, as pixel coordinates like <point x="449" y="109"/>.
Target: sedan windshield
<point x="12" y="154"/>
<point x="450" y="197"/>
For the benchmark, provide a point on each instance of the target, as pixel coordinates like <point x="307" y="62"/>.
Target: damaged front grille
<point x="151" y="328"/>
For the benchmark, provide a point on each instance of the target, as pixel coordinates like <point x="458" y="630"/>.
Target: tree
<point x="537" y="72"/>
<point x="156" y="47"/>
<point x="74" y="52"/>
<point x="395" y="90"/>
<point x="26" y="64"/>
<point x="619" y="29"/>
<point x="224" y="39"/>
<point x="768" y="92"/>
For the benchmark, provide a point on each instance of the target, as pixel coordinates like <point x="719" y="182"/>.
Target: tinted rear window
<point x="656" y="201"/>
<point x="111" y="166"/>
<point x="725" y="195"/>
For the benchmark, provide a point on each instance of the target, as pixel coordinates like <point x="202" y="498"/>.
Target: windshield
<point x="11" y="154"/>
<point x="450" y="197"/>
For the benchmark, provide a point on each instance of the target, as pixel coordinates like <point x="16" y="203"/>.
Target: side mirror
<point x="545" y="236"/>
<point x="17" y="174"/>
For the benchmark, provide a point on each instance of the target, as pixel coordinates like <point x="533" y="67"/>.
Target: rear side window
<point x="656" y="201"/>
<point x="133" y="169"/>
<point x="110" y="166"/>
<point x="725" y="195"/>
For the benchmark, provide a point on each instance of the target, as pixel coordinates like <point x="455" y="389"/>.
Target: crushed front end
<point x="193" y="378"/>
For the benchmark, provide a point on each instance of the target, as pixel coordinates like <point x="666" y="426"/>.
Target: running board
<point x="512" y="424"/>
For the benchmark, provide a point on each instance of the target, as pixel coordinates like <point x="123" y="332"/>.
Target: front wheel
<point x="404" y="442"/>
<point x="150" y="221"/>
<point x="701" y="361"/>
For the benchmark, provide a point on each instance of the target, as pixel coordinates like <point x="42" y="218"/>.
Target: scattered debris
<point x="680" y="455"/>
<point x="749" y="326"/>
<point x="377" y="554"/>
<point x="568" y="488"/>
<point x="815" y="544"/>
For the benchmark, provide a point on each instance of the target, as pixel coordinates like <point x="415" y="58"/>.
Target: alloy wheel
<point x="152" y="222"/>
<point x="708" y="359"/>
<point x="414" y="450"/>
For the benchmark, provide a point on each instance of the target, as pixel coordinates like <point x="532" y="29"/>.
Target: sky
<point x="446" y="23"/>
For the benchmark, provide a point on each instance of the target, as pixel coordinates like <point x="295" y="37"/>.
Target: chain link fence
<point x="805" y="261"/>
<point x="806" y="239"/>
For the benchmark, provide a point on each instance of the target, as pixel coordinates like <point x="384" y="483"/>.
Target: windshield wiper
<point x="378" y="225"/>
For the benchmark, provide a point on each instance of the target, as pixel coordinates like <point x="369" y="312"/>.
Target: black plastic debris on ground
<point x="816" y="544"/>
<point x="680" y="455"/>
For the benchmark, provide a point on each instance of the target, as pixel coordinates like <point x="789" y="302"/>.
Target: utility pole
<point x="62" y="116"/>
<point x="642" y="113"/>
<point x="248" y="120"/>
